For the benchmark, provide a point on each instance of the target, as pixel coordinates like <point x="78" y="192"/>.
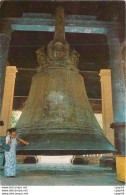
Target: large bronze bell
<point x="57" y="118"/>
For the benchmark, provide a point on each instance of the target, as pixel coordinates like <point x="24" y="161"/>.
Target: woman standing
<point x="10" y="156"/>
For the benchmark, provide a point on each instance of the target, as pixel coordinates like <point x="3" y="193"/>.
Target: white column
<point x="107" y="108"/>
<point x="8" y="98"/>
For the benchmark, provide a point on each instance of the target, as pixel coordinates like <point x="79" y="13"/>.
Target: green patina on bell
<point x="57" y="118"/>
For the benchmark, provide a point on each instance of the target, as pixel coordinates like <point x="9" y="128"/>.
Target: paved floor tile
<point x="61" y="175"/>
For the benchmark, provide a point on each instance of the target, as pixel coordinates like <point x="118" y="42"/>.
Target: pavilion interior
<point x="93" y="48"/>
<point x="94" y="56"/>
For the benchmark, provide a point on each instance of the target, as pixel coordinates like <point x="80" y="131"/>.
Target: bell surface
<point x="57" y="118"/>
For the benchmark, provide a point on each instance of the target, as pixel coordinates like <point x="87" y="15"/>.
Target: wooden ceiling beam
<point x="73" y="24"/>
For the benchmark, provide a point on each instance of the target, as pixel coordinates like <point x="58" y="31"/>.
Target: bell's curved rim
<point x="62" y="152"/>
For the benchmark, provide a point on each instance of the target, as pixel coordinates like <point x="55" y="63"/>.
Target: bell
<point x="57" y="118"/>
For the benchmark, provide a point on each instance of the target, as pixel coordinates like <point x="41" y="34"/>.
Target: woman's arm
<point x="10" y="140"/>
<point x="18" y="142"/>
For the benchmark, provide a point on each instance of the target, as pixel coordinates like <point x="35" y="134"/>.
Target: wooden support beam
<point x="73" y="24"/>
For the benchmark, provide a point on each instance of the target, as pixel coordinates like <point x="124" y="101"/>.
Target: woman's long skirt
<point x="10" y="163"/>
<point x="10" y="158"/>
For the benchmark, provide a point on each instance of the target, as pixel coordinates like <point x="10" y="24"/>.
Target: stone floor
<point x="61" y="175"/>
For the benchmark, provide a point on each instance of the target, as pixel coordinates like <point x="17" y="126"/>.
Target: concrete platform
<point x="61" y="175"/>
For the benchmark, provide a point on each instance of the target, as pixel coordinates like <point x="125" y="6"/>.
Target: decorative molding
<point x="58" y="50"/>
<point x="105" y="73"/>
<point x="11" y="70"/>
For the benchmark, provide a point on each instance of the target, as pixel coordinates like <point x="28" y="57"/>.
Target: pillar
<point x="118" y="91"/>
<point x="5" y="36"/>
<point x="107" y="109"/>
<point x="8" y="98"/>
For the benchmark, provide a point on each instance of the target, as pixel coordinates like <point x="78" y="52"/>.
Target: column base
<point x="24" y="159"/>
<point x="108" y="161"/>
<point x="120" y="168"/>
<point x="79" y="161"/>
<point x="120" y="137"/>
<point x="30" y="160"/>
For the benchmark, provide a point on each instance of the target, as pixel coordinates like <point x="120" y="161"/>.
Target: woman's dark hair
<point x="11" y="130"/>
